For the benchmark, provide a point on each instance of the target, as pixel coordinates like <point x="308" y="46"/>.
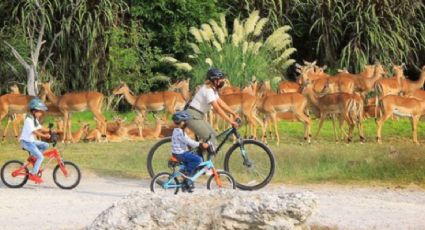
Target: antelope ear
<point x="324" y="67"/>
<point x="314" y="63"/>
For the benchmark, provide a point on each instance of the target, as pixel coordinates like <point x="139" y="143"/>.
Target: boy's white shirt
<point x="203" y="98"/>
<point x="28" y="129"/>
<point x="180" y="142"/>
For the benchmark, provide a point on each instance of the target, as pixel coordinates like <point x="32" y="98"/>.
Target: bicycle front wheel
<point x="158" y="157"/>
<point x="251" y="164"/>
<point x="11" y="176"/>
<point x="223" y="181"/>
<point x="66" y="176"/>
<point x="164" y="183"/>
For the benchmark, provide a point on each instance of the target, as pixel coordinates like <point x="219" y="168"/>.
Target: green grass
<point x="397" y="161"/>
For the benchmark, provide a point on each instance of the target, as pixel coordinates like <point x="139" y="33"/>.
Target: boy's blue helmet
<point x="181" y="116"/>
<point x="37" y="104"/>
<point x="214" y="74"/>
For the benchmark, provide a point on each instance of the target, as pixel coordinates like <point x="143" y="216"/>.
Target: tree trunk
<point x="32" y="85"/>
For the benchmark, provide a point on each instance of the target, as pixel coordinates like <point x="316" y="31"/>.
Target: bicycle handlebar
<point x="238" y="120"/>
<point x="53" y="136"/>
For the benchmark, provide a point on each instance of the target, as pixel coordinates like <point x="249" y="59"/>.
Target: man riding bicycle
<point x="207" y="97"/>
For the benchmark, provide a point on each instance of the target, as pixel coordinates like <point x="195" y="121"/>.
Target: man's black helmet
<point x="214" y="74"/>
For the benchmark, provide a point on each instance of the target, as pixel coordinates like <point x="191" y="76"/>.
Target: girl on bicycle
<point x="32" y="129"/>
<point x="207" y="97"/>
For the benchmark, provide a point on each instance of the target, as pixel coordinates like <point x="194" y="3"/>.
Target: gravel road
<point x="340" y="207"/>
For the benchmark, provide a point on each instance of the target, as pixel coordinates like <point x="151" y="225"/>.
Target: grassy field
<point x="397" y="161"/>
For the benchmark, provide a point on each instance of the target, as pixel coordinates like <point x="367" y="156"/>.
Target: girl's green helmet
<point x="37" y="104"/>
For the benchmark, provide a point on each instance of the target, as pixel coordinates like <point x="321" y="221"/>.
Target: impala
<point x="77" y="102"/>
<point x="349" y="107"/>
<point x="409" y="86"/>
<point x="403" y="107"/>
<point x="389" y="86"/>
<point x="14" y="118"/>
<point x="287" y="102"/>
<point x="149" y="102"/>
<point x="245" y="104"/>
<point x="289" y="87"/>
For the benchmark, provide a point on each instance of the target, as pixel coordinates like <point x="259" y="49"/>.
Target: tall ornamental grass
<point x="244" y="53"/>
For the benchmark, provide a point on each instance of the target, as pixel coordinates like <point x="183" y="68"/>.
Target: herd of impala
<point x="342" y="97"/>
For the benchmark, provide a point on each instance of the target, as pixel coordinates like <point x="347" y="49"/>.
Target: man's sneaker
<point x="35" y="178"/>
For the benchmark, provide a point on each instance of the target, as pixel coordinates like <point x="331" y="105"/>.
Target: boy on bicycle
<point x="180" y="142"/>
<point x="32" y="129"/>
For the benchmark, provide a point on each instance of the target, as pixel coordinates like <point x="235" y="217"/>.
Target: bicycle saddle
<point x="173" y="162"/>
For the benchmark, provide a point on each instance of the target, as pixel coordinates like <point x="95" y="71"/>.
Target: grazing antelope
<point x="403" y="107"/>
<point x="77" y="102"/>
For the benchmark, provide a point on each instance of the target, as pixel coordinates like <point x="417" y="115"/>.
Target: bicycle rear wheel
<point x="163" y="179"/>
<point x="68" y="176"/>
<point x="255" y="170"/>
<point x="158" y="157"/>
<point x="14" y="181"/>
<point x="226" y="180"/>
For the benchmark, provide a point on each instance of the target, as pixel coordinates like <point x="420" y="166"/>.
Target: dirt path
<point x="343" y="207"/>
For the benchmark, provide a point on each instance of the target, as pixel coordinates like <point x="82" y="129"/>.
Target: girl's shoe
<point x="35" y="178"/>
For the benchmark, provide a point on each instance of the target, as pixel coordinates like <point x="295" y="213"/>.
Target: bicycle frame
<point x="227" y="134"/>
<point x="206" y="165"/>
<point x="50" y="154"/>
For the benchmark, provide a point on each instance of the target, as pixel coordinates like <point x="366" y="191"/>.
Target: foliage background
<point x="104" y="41"/>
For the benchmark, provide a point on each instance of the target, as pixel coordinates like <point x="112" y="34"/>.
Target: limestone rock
<point x="209" y="210"/>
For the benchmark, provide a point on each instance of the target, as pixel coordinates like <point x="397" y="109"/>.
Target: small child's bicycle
<point x="165" y="181"/>
<point x="66" y="174"/>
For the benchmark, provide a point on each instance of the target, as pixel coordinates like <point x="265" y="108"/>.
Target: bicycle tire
<point x="152" y="172"/>
<point x="3" y="176"/>
<point x="68" y="165"/>
<point x="227" y="176"/>
<point x="247" y="170"/>
<point x="159" y="175"/>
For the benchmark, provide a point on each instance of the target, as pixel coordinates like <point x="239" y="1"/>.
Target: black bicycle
<point x="251" y="163"/>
